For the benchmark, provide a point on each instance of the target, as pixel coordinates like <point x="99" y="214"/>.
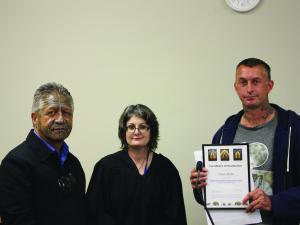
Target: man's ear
<point x="34" y="118"/>
<point x="270" y="85"/>
<point x="235" y="87"/>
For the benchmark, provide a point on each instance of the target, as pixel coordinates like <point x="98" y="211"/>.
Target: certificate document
<point x="228" y="179"/>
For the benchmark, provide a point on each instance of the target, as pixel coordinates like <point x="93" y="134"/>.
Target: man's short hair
<point x="146" y="114"/>
<point x="251" y="62"/>
<point x="42" y="93"/>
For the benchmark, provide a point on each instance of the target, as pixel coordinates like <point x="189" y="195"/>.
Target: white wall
<point x="176" y="56"/>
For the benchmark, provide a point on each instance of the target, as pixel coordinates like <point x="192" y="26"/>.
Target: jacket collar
<point x="38" y="147"/>
<point x="232" y="123"/>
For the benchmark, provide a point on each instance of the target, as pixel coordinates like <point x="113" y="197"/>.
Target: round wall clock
<point x="242" y="5"/>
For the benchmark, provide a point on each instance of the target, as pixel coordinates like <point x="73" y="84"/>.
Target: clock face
<point x="242" y="5"/>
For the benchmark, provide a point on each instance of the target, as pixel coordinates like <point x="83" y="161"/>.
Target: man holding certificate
<point x="273" y="135"/>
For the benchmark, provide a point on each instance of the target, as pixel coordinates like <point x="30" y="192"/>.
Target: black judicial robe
<point x="119" y="195"/>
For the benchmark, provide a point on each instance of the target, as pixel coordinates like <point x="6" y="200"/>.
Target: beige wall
<point x="176" y="56"/>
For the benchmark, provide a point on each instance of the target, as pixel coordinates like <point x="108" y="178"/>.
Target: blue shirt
<point x="63" y="151"/>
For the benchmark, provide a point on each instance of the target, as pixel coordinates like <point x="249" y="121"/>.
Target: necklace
<point x="143" y="167"/>
<point x="140" y="166"/>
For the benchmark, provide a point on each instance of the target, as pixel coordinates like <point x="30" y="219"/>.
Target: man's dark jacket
<point x="36" y="190"/>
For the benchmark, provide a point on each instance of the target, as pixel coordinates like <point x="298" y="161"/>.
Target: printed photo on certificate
<point x="228" y="179"/>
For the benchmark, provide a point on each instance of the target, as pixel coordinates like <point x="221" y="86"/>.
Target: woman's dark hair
<point x="146" y="114"/>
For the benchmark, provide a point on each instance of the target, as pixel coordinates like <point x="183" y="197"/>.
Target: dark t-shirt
<point x="261" y="140"/>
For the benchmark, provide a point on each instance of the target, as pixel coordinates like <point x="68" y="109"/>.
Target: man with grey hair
<point x="41" y="182"/>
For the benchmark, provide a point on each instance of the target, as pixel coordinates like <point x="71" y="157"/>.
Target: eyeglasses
<point x="141" y="128"/>
<point x="66" y="183"/>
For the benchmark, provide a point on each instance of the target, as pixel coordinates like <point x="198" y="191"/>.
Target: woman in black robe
<point x="136" y="186"/>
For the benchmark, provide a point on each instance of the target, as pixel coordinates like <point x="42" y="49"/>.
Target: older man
<point x="41" y="182"/>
